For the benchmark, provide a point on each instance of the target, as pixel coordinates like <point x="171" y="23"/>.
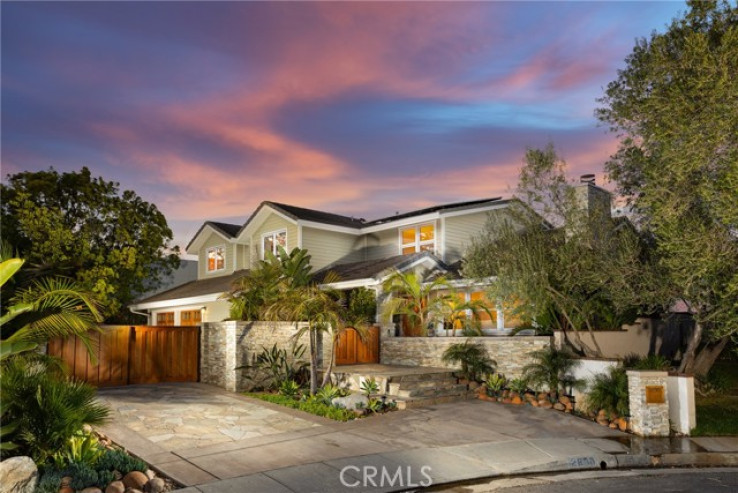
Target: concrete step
<point x="450" y="390"/>
<point x="423" y="377"/>
<point x="415" y="402"/>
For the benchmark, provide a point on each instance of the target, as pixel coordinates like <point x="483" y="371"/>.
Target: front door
<point x="351" y="350"/>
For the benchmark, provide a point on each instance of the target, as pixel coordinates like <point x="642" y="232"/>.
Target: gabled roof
<point x="438" y="208"/>
<point x="227" y="230"/>
<point x="374" y="269"/>
<point x="318" y="216"/>
<point x="201" y="287"/>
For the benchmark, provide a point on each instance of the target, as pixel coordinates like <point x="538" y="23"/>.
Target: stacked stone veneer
<point x="510" y="353"/>
<point x="650" y="420"/>
<point x="225" y="346"/>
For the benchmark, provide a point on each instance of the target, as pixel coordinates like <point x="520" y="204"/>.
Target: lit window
<point x="165" y="318"/>
<point x="418" y="239"/>
<point x="216" y="258"/>
<point x="271" y="242"/>
<point x="190" y="317"/>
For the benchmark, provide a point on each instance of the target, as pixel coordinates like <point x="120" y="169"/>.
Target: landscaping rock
<point x="534" y="403"/>
<point x="133" y="490"/>
<point x="150" y="474"/>
<point x="545" y="404"/>
<point x="18" y="475"/>
<point x="601" y="414"/>
<point x="529" y="397"/>
<point x="622" y="424"/>
<point x="115" y="487"/>
<point x="66" y="489"/>
<point x="559" y="406"/>
<point x="603" y="421"/>
<point x="613" y="425"/>
<point x="91" y="489"/>
<point x="350" y="401"/>
<point x="117" y="475"/>
<point x="507" y="400"/>
<point x="135" y="479"/>
<point x="473" y="385"/>
<point x="156" y="485"/>
<point x="541" y="396"/>
<point x="517" y="400"/>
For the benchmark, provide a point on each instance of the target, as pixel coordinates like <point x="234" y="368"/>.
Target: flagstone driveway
<point x="184" y="416"/>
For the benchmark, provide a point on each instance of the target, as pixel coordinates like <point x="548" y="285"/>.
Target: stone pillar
<point x="218" y="354"/>
<point x="649" y="403"/>
<point x="682" y="412"/>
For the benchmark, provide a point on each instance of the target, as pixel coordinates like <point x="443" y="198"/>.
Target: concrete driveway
<point x="198" y="434"/>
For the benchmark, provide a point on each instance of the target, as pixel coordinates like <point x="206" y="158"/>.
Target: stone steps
<point x="416" y="402"/>
<point x="425" y="389"/>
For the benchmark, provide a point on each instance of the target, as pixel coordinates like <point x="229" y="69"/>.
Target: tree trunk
<point x="313" y="362"/>
<point x="687" y="364"/>
<point x="708" y="355"/>
<point x="331" y="362"/>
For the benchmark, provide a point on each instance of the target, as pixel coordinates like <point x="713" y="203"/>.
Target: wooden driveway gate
<point x="129" y="355"/>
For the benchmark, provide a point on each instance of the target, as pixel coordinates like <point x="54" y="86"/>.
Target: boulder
<point x="135" y="480"/>
<point x="529" y="397"/>
<point x="565" y="400"/>
<point x="569" y="407"/>
<point x="613" y="425"/>
<point x="603" y="421"/>
<point x="117" y="475"/>
<point x="545" y="404"/>
<point x="602" y="414"/>
<point x="622" y="424"/>
<point x="507" y="400"/>
<point x="91" y="489"/>
<point x="150" y="474"/>
<point x="542" y="395"/>
<point x="534" y="403"/>
<point x="86" y="429"/>
<point x="115" y="487"/>
<point x="133" y="490"/>
<point x="18" y="475"/>
<point x="156" y="485"/>
<point x="517" y="400"/>
<point x="350" y="401"/>
<point x="559" y="406"/>
<point x="66" y="489"/>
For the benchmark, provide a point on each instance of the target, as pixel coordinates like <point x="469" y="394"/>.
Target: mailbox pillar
<point x="649" y="403"/>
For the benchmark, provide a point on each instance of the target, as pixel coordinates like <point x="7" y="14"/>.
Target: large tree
<point x="114" y="244"/>
<point x="675" y="109"/>
<point x="560" y="258"/>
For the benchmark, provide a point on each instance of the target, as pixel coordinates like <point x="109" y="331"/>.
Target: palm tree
<point x="315" y="311"/>
<point x="417" y="301"/>
<point x="48" y="308"/>
<point x="456" y="312"/>
<point x="551" y="367"/>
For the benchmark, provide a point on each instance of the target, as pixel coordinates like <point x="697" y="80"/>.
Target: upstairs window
<point x="216" y="258"/>
<point x="271" y="241"/>
<point x="421" y="238"/>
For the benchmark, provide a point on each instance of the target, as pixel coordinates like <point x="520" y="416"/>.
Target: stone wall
<point x="650" y="419"/>
<point x="510" y="353"/>
<point x="225" y="346"/>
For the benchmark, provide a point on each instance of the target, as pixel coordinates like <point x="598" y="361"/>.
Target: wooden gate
<point x="128" y="355"/>
<point x="351" y="350"/>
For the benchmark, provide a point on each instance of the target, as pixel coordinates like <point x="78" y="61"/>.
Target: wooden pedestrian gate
<point x="351" y="350"/>
<point x="129" y="355"/>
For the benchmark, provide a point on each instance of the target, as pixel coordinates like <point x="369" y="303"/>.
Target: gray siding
<point x="328" y="247"/>
<point x="382" y="245"/>
<point x="459" y="232"/>
<point x="273" y="223"/>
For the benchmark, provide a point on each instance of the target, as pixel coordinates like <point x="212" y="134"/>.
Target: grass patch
<point x="311" y="406"/>
<point x="717" y="415"/>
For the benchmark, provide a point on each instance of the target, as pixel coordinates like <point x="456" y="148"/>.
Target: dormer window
<point x="216" y="258"/>
<point x="271" y="241"/>
<point x="420" y="238"/>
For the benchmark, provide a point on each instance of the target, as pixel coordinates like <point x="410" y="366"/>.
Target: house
<point x="362" y="253"/>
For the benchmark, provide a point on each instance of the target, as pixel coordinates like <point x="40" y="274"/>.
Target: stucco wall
<point x="510" y="353"/>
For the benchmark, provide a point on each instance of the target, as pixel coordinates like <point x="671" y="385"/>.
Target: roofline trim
<point x="207" y="224"/>
<point x="177" y="301"/>
<point x="251" y="220"/>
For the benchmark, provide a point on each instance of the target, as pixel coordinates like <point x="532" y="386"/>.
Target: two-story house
<point x="361" y="252"/>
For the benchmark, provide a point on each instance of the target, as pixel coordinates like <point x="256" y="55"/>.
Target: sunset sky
<point x="206" y="109"/>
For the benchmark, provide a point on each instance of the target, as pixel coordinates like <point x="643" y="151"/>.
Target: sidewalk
<point x="394" y="452"/>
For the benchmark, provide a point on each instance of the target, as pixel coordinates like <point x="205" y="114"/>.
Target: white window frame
<point x="417" y="243"/>
<point x="207" y="259"/>
<point x="273" y="234"/>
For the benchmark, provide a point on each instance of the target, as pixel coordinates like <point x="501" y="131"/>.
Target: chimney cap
<point x="588" y="178"/>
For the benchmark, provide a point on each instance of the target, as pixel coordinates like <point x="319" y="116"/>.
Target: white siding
<point x="328" y="247"/>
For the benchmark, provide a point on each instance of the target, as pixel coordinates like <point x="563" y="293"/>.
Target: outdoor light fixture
<point x="570" y="391"/>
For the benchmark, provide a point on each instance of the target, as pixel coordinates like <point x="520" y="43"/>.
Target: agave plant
<point x="369" y="386"/>
<point x="495" y="383"/>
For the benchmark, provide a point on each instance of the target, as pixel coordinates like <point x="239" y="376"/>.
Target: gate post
<point x="649" y="403"/>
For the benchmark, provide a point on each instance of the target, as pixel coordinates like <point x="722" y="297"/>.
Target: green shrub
<point x="49" y="481"/>
<point x="714" y="382"/>
<point x="609" y="391"/>
<point x="495" y="384"/>
<point x="310" y="405"/>
<point x="120" y="461"/>
<point x="83" y="475"/>
<point x="48" y="407"/>
<point x="81" y="448"/>
<point x="104" y="478"/>
<point x="650" y="362"/>
<point x="327" y="393"/>
<point x="519" y="386"/>
<point x="472" y="357"/>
